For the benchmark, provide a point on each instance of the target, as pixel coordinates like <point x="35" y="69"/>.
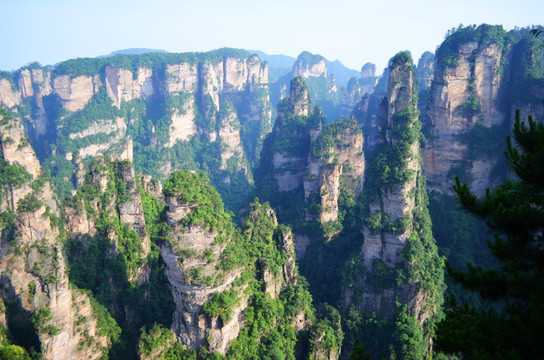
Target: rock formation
<point x="396" y="219"/>
<point x="210" y="294"/>
<point x="34" y="282"/>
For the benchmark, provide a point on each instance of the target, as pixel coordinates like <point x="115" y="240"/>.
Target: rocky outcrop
<point x="368" y="112"/>
<point x="310" y="65"/>
<point x="75" y="93"/>
<point x="289" y="165"/>
<point x="341" y="164"/>
<point x="123" y="207"/>
<point x="181" y="77"/>
<point x="232" y="152"/>
<point x="34" y="279"/>
<point x="396" y="200"/>
<point x="122" y="85"/>
<point x="357" y="88"/>
<point x="396" y="223"/>
<point x="463" y="98"/>
<point x="119" y="146"/>
<point x="183" y="125"/>
<point x="8" y="95"/>
<point x="425" y="70"/>
<point x="193" y="258"/>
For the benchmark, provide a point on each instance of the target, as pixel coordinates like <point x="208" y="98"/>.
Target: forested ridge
<point x="166" y="208"/>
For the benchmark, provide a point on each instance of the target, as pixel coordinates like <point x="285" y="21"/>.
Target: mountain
<point x="275" y="61"/>
<point x="156" y="206"/>
<point x="132" y="51"/>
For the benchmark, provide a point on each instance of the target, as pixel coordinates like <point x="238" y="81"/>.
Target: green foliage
<point x="104" y="267"/>
<point x="514" y="211"/>
<point x="359" y="352"/>
<point x="29" y="203"/>
<point x="13" y="175"/>
<point x="162" y="343"/>
<point x="328" y="138"/>
<point x="410" y="334"/>
<point x="13" y="352"/>
<point x="220" y="304"/>
<point x="7" y="219"/>
<point x="471" y="106"/>
<point x="400" y="58"/>
<point x="92" y="66"/>
<point x="308" y="59"/>
<point x="447" y="53"/>
<point x="206" y="205"/>
<point x="42" y="320"/>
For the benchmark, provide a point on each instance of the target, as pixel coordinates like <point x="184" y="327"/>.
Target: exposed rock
<point x="35" y="271"/>
<point x="121" y="84"/>
<point x="25" y="84"/>
<point x="299" y="100"/>
<point x="446" y="148"/>
<point x="181" y="78"/>
<point x="229" y="133"/>
<point x="344" y="164"/>
<point x="75" y="93"/>
<point x="394" y="215"/>
<point x="397" y="200"/>
<point x="8" y="95"/>
<point x="119" y="147"/>
<point x="288" y="179"/>
<point x="302" y="241"/>
<point x="183" y="123"/>
<point x="425" y="70"/>
<point x="305" y="69"/>
<point x="368" y="79"/>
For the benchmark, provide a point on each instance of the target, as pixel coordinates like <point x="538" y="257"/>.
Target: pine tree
<point x="511" y="323"/>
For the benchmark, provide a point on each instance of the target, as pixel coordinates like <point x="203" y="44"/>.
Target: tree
<point x="511" y="323"/>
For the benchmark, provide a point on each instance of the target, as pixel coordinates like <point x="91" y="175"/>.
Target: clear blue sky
<point x="355" y="32"/>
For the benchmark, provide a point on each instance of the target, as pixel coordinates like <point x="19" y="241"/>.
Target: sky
<point x="354" y="32"/>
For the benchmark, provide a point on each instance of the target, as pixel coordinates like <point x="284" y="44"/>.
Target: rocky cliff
<point x="396" y="232"/>
<point x="357" y="88"/>
<point x="206" y="263"/>
<point x="59" y="318"/>
<point x="479" y="81"/>
<point x="369" y="110"/>
<point x="336" y="163"/>
<point x="155" y="110"/>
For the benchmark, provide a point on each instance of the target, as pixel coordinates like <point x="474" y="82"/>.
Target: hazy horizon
<point x="353" y="32"/>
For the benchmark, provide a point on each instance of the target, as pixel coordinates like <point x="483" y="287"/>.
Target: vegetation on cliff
<point x="510" y="324"/>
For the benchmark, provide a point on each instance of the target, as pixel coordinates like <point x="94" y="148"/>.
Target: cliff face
<point x="340" y="165"/>
<point x="34" y="281"/>
<point x="130" y="107"/>
<point x="357" y="88"/>
<point x="398" y="200"/>
<point x="196" y="256"/>
<point x="369" y="110"/>
<point x="396" y="219"/>
<point x="291" y="138"/>
<point x="309" y="65"/>
<point x="465" y="100"/>
<point x="425" y="70"/>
